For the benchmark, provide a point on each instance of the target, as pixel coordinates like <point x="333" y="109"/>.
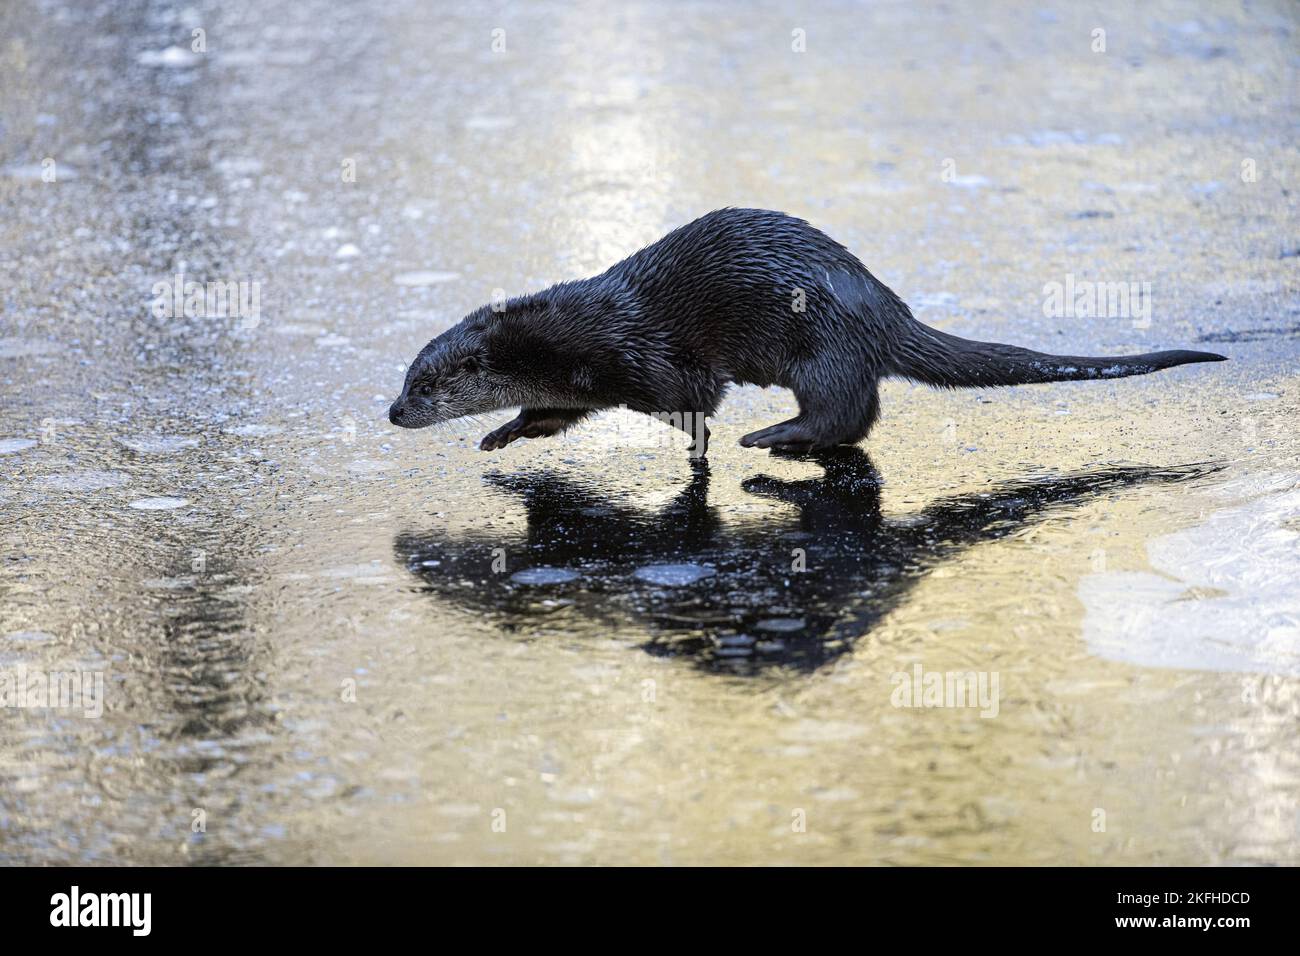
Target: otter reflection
<point x="756" y="591"/>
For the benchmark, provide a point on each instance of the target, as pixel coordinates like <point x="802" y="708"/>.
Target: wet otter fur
<point x="738" y="295"/>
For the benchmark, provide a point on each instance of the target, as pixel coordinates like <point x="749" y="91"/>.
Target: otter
<point x="737" y="296"/>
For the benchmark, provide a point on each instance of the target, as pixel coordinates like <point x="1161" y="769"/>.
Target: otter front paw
<point x="533" y="423"/>
<point x="525" y="426"/>
<point x="499" y="438"/>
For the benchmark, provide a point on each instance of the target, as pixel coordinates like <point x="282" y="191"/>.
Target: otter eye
<point x="469" y="364"/>
<point x="424" y="390"/>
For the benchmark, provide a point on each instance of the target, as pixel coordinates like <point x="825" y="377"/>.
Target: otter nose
<point x="395" y="412"/>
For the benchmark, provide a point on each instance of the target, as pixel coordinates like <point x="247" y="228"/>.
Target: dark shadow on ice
<point x="758" y="590"/>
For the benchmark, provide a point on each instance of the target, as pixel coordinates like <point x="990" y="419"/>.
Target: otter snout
<point x="397" y="413"/>
<point x="413" y="411"/>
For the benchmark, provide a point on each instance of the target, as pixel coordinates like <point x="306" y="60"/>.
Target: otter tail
<point x="936" y="358"/>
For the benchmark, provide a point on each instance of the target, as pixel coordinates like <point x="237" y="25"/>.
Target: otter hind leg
<point x="533" y="423"/>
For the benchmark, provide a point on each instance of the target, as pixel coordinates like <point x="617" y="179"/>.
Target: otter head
<point x="492" y="360"/>
<point x="448" y="379"/>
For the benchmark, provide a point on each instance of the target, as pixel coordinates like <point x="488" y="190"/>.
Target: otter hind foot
<point x="793" y="435"/>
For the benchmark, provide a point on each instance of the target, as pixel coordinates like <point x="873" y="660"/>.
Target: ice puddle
<point x="1223" y="596"/>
